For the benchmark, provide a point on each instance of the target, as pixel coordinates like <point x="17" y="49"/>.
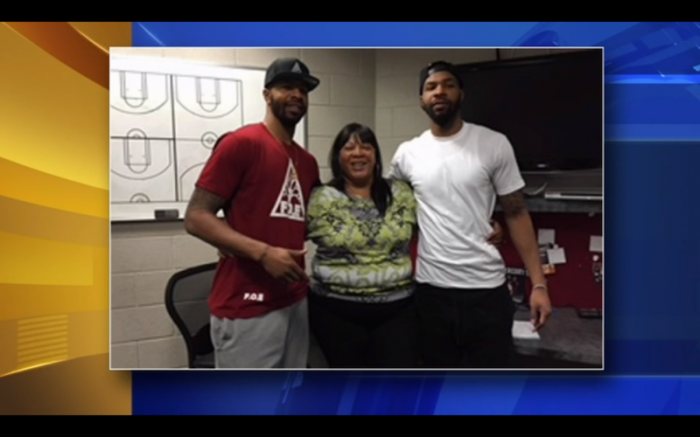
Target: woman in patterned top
<point x="361" y="307"/>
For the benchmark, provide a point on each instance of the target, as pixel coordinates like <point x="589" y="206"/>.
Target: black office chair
<point x="186" y="300"/>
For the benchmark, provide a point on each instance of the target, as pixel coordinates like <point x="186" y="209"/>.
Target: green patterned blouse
<point x="361" y="255"/>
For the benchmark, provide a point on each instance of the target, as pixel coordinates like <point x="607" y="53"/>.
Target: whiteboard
<point x="165" y="116"/>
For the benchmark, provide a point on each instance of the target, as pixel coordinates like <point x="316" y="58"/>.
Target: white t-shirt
<point x="456" y="181"/>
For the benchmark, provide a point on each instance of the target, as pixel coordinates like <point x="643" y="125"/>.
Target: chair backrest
<point x="187" y="303"/>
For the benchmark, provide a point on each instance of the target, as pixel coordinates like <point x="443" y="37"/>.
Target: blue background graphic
<point x="652" y="307"/>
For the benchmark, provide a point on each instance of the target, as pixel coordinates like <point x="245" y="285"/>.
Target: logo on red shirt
<point x="290" y="202"/>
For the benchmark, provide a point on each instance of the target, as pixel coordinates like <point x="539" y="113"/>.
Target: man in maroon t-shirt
<point x="262" y="179"/>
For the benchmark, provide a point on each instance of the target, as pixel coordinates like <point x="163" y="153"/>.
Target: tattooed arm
<point x="508" y="184"/>
<point x="201" y="221"/>
<point x="522" y="233"/>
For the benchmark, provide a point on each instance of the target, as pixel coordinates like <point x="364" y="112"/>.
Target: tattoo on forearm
<point x="513" y="204"/>
<point x="201" y="199"/>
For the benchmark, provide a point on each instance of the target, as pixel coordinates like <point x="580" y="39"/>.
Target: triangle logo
<point x="290" y="202"/>
<point x="296" y="68"/>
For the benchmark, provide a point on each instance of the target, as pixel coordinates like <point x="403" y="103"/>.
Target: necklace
<point x="295" y="160"/>
<point x="284" y="148"/>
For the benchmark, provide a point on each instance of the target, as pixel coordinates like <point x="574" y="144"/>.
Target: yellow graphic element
<point x="27" y="300"/>
<point x="30" y="220"/>
<point x="31" y="342"/>
<point x="55" y="120"/>
<point x="25" y="260"/>
<point x="42" y="340"/>
<point x="36" y="366"/>
<point x="74" y="387"/>
<point x="54" y="228"/>
<point x="29" y="185"/>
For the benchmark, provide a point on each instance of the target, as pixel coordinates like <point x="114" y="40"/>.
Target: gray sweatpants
<point x="279" y="339"/>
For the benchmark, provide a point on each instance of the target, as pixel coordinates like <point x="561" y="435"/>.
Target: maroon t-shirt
<point x="268" y="195"/>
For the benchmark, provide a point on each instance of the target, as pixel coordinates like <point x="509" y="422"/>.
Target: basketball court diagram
<point x="162" y="131"/>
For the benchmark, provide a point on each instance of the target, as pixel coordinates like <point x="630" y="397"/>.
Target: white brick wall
<point x="375" y="87"/>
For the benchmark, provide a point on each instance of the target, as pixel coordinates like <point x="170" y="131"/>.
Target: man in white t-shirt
<point x="458" y="171"/>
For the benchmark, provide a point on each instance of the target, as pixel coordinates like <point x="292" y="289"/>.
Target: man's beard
<point x="444" y="118"/>
<point x="279" y="109"/>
